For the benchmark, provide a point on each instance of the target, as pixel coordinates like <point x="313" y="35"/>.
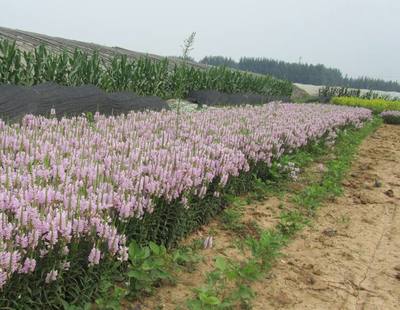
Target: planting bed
<point x="143" y="76"/>
<point x="80" y="189"/>
<point x="17" y="101"/>
<point x="376" y="105"/>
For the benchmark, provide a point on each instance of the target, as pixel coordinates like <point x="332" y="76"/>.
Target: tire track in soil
<point x="350" y="257"/>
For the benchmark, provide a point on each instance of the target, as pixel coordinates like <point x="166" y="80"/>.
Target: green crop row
<point x="143" y="76"/>
<point x="328" y="92"/>
<point x="377" y="105"/>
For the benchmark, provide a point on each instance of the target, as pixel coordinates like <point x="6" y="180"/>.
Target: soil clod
<point x="330" y="232"/>
<point x="389" y="193"/>
<point x="377" y="183"/>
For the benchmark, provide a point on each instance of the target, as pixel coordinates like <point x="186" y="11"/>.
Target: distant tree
<point x="301" y="72"/>
<point x="219" y="61"/>
<point x="188" y="58"/>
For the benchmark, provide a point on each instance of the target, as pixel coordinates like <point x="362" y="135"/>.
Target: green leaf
<point x="161" y="274"/>
<point x="195" y="304"/>
<point x="163" y="250"/>
<point x="141" y="276"/>
<point x="147" y="265"/>
<point x="159" y="262"/>
<point x="221" y="263"/>
<point x="244" y="292"/>
<point x="154" y="248"/>
<point x="143" y="253"/>
<point x="133" y="249"/>
<point x="209" y="300"/>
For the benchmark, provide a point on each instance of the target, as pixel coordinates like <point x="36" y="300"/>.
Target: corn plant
<point x="10" y="63"/>
<point x="143" y="76"/>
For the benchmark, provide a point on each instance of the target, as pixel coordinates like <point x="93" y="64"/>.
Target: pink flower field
<point x="75" y="180"/>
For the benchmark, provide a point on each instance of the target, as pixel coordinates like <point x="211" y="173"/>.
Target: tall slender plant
<point x="187" y="47"/>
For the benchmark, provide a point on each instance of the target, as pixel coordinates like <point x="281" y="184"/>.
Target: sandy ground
<point x="175" y="296"/>
<point x="350" y="257"/>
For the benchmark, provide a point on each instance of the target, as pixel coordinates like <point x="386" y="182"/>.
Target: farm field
<point x="132" y="181"/>
<point x="377" y="105"/>
<point x="313" y="90"/>
<point x="76" y="192"/>
<point x="27" y="41"/>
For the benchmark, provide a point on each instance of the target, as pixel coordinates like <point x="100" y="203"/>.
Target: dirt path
<point x="350" y="257"/>
<point x="175" y="297"/>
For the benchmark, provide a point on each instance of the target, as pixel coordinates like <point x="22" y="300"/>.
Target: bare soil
<point x="175" y="296"/>
<point x="350" y="257"/>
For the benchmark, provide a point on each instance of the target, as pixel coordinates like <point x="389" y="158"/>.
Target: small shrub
<point x="391" y="117"/>
<point x="376" y="105"/>
<point x="150" y="265"/>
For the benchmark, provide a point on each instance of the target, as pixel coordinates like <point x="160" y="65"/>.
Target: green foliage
<point x="67" y="306"/>
<point x="291" y="222"/>
<point x="326" y="93"/>
<point x="186" y="257"/>
<point x="330" y="186"/>
<point x="171" y="221"/>
<point x="10" y="63"/>
<point x="259" y="189"/>
<point x="152" y="265"/>
<point x="391" y="117"/>
<point x="206" y="299"/>
<point x="227" y="285"/>
<point x="301" y="72"/>
<point x="377" y="105"/>
<point x="149" y="266"/>
<point x="230" y="219"/>
<point x="266" y="247"/>
<point x="111" y="295"/>
<point x="143" y="76"/>
<point x="218" y="293"/>
<point x="79" y="288"/>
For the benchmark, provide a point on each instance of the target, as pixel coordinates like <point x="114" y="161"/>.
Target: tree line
<point x="301" y="73"/>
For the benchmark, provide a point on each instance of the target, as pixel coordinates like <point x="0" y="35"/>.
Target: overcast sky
<point x="360" y="37"/>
